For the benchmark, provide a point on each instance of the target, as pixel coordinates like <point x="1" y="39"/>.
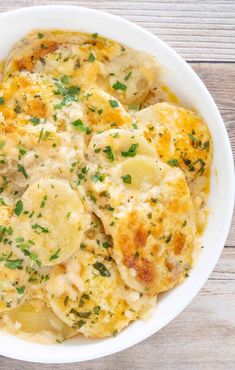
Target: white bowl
<point x="189" y="88"/>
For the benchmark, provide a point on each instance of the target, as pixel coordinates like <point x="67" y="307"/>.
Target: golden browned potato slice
<point x="181" y="137"/>
<point x="48" y="224"/>
<point x="88" y="294"/>
<point x="103" y="111"/>
<point x="110" y="147"/>
<point x="133" y="77"/>
<point x="58" y="52"/>
<point x="36" y="321"/>
<point x="145" y="205"/>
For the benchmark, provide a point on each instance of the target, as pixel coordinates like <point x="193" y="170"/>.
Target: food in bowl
<point x="104" y="182"/>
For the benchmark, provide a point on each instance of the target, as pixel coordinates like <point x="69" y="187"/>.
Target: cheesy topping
<point x="103" y="188"/>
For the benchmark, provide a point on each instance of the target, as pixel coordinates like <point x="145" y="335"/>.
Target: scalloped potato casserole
<point x="103" y="189"/>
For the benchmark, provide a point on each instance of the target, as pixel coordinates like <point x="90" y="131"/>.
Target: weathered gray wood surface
<point x="203" y="336"/>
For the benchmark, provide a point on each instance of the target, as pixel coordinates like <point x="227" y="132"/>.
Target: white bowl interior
<point x="188" y="87"/>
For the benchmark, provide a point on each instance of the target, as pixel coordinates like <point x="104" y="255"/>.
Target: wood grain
<point x="203" y="336"/>
<point x="197" y="29"/>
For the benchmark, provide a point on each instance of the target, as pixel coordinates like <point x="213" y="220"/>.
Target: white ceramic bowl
<point x="189" y="88"/>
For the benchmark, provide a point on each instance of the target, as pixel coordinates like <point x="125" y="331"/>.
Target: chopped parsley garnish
<point x="91" y="58"/>
<point x="127" y="76"/>
<point x="65" y="79"/>
<point x="113" y="103"/>
<point x="106" y="245"/>
<point x="55" y="255"/>
<point x="109" y="153"/>
<point x="40" y="228"/>
<point x="173" y="162"/>
<point x="98" y="177"/>
<point x="168" y="239"/>
<point x="18" y="208"/>
<point x="134" y="125"/>
<point x="35" y="121"/>
<point x="95" y="35"/>
<point x="2" y="202"/>
<point x="131" y="152"/>
<point x="14" y="264"/>
<point x="202" y="164"/>
<point x="1" y="100"/>
<point x="22" y="170"/>
<point x="20" y="290"/>
<point x="79" y="124"/>
<point x="40" y="35"/>
<point x="79" y="324"/>
<point x="119" y="86"/>
<point x="43" y="202"/>
<point x="126" y="179"/>
<point x="102" y="269"/>
<point x="193" y="138"/>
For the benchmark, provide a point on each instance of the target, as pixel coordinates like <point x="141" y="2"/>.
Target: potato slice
<point x="88" y="294"/>
<point x="103" y="111"/>
<point x="115" y="145"/>
<point x="145" y="206"/>
<point x="50" y="222"/>
<point x="36" y="321"/>
<point x="181" y="138"/>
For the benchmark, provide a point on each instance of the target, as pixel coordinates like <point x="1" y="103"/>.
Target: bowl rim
<point x="27" y="356"/>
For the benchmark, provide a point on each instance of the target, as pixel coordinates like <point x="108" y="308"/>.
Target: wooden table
<point x="203" y="336"/>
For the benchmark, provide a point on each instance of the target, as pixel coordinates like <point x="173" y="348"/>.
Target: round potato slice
<point x="116" y="145"/>
<point x="181" y="137"/>
<point x="36" y="321"/>
<point x="149" y="214"/>
<point x="103" y="111"/>
<point x="49" y="222"/>
<point x="87" y="293"/>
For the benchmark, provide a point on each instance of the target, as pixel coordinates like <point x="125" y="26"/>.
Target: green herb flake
<point x="22" y="170"/>
<point x="127" y="76"/>
<point x="109" y="153"/>
<point x="95" y="35"/>
<point x="91" y="58"/>
<point x="1" y="100"/>
<point x="102" y="269"/>
<point x="18" y="208"/>
<point x="126" y="179"/>
<point x="20" y="290"/>
<point x="79" y="125"/>
<point x="55" y="255"/>
<point x="119" y="86"/>
<point x="40" y="35"/>
<point x="131" y="152"/>
<point x="113" y="103"/>
<point x="98" y="177"/>
<point x="35" y="121"/>
<point x="106" y="245"/>
<point x="14" y="264"/>
<point x="173" y="162"/>
<point x="39" y="229"/>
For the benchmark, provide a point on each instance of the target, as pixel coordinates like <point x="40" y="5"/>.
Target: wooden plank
<point x="220" y="81"/>
<point x="198" y="30"/>
<point x="201" y="337"/>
